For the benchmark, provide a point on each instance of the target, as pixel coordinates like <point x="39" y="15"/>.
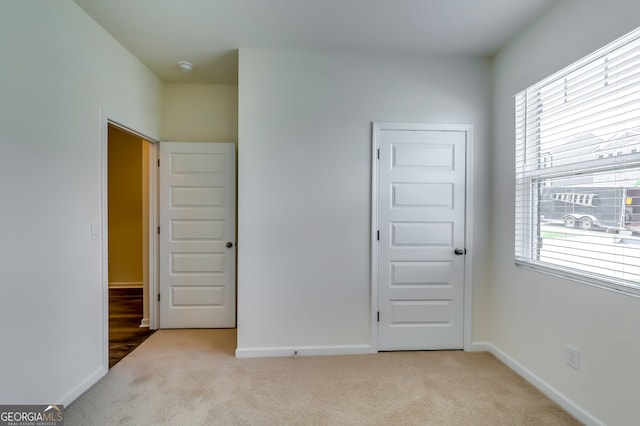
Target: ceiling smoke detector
<point x="185" y="66"/>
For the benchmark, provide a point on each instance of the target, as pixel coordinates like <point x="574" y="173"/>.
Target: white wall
<point x="534" y="316"/>
<point x="59" y="69"/>
<point x="304" y="185"/>
<point x="200" y="112"/>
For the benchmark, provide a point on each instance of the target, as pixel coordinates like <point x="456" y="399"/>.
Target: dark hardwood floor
<point x="125" y="314"/>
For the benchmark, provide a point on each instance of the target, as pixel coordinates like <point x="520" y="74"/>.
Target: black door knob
<point x="229" y="244"/>
<point x="460" y="252"/>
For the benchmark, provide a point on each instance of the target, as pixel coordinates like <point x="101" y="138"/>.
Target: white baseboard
<point x="478" y="347"/>
<point x="144" y="323"/>
<point x="127" y="284"/>
<point x="84" y="386"/>
<point x="304" y="351"/>
<point x="570" y="406"/>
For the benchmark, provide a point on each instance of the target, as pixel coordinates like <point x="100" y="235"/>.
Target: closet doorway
<point x="128" y="241"/>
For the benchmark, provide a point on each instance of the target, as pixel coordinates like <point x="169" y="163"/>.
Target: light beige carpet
<point x="190" y="377"/>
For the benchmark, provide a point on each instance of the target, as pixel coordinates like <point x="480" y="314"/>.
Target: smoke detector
<point x="185" y="66"/>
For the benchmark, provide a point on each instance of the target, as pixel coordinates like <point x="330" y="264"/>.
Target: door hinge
<point x="378" y="235"/>
<point x="158" y="230"/>
<point x="158" y="297"/>
<point x="378" y="153"/>
<point x="158" y="162"/>
<point x="378" y="316"/>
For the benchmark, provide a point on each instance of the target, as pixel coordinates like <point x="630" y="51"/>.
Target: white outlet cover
<point x="573" y="357"/>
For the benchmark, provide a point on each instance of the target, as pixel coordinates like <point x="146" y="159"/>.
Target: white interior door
<point x="197" y="235"/>
<point x="421" y="222"/>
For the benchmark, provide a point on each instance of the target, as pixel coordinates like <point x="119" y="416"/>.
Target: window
<point x="578" y="170"/>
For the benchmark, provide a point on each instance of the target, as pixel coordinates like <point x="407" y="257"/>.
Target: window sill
<point x="620" y="288"/>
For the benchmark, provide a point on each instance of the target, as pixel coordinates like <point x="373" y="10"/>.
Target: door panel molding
<point x="400" y="193"/>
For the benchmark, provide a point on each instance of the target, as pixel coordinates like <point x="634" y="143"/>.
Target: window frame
<point x="532" y="169"/>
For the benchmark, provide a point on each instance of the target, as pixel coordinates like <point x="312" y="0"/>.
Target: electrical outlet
<point x="573" y="357"/>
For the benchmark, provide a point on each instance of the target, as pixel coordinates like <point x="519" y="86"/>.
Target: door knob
<point x="229" y="244"/>
<point x="460" y="252"/>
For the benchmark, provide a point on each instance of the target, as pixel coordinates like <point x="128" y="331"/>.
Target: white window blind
<point x="578" y="169"/>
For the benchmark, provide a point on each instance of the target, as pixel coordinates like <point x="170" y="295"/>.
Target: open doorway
<point x="128" y="194"/>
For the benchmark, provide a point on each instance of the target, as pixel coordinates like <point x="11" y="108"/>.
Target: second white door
<point x="421" y="221"/>
<point x="197" y="235"/>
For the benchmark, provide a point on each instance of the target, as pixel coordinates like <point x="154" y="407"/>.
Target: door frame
<point x="376" y="127"/>
<point x="153" y="265"/>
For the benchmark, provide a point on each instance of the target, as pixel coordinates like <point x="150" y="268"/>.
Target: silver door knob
<point x="229" y="244"/>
